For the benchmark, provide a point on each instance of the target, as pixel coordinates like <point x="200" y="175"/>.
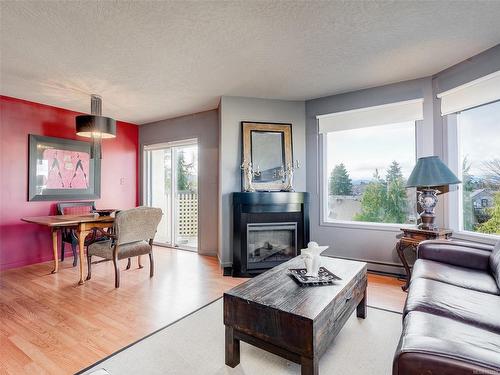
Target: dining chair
<point x="68" y="235"/>
<point x="132" y="236"/>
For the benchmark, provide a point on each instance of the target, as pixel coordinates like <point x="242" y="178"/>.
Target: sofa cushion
<point x="433" y="344"/>
<point x="466" y="305"/>
<point x="495" y="263"/>
<point x="458" y="253"/>
<point x="464" y="277"/>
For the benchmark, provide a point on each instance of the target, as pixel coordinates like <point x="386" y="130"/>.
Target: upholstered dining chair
<point x="68" y="235"/>
<point x="131" y="236"/>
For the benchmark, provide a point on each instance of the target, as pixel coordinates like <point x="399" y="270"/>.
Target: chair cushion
<point x="466" y="305"/>
<point x="433" y="344"/>
<point x="134" y="249"/>
<point x="104" y="249"/>
<point x="77" y="210"/>
<point x="464" y="277"/>
<point x="495" y="263"/>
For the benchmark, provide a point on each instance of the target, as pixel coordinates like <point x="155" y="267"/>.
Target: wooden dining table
<point x="82" y="224"/>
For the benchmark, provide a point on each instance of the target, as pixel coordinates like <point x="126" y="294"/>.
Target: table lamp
<point x="432" y="177"/>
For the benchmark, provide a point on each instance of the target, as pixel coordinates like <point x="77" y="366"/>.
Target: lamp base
<point x="428" y="200"/>
<point x="428" y="221"/>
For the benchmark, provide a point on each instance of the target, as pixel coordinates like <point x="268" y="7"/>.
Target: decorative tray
<point x="325" y="277"/>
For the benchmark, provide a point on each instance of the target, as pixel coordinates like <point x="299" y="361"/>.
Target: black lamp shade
<point x="95" y="126"/>
<point x="430" y="171"/>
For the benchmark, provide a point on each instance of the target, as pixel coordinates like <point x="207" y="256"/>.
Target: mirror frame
<point x="247" y="128"/>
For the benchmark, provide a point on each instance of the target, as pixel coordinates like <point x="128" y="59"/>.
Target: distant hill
<point x="359" y="182"/>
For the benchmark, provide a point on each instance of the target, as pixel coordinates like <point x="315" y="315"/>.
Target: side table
<point x="411" y="238"/>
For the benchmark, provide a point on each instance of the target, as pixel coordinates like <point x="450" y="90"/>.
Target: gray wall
<point x="377" y="245"/>
<point x="219" y="134"/>
<point x="205" y="127"/>
<point x="478" y="66"/>
<point x="365" y="242"/>
<point x="473" y="68"/>
<point x="233" y="110"/>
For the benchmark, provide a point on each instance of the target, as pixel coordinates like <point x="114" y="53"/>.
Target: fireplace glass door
<point x="269" y="244"/>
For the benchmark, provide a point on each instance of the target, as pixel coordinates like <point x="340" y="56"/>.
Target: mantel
<point x="270" y="198"/>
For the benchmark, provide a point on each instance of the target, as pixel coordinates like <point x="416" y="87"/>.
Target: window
<point x="365" y="172"/>
<point x="479" y="159"/>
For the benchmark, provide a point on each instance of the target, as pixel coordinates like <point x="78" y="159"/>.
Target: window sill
<point x="366" y="225"/>
<point x="488" y="239"/>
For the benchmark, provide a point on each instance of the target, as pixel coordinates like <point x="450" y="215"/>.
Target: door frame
<point x="146" y="186"/>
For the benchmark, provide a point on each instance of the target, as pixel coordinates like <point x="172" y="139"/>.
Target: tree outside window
<point x="479" y="140"/>
<point x="186" y="173"/>
<point x="340" y="183"/>
<point x="368" y="168"/>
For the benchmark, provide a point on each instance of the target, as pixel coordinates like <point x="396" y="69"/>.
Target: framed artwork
<point x="268" y="147"/>
<point x="61" y="169"/>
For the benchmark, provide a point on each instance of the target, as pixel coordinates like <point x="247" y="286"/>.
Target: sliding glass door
<point x="171" y="183"/>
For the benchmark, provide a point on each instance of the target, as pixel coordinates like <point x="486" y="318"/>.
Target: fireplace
<point x="269" y="244"/>
<point x="268" y="229"/>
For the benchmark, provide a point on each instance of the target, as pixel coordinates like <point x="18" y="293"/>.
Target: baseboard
<point x="26" y="262"/>
<point x="392" y="269"/>
<point x="387" y="270"/>
<point x="391" y="274"/>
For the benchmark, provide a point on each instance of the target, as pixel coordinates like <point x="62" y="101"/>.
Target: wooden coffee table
<point x="274" y="313"/>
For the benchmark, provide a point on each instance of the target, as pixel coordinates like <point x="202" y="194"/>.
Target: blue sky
<point x="479" y="131"/>
<point x="365" y="149"/>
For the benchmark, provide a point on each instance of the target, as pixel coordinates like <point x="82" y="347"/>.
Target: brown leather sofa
<point x="451" y="320"/>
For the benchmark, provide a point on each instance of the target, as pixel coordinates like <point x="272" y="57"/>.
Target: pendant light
<point x="95" y="126"/>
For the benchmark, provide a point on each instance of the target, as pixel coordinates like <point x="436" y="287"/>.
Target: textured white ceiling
<point x="155" y="60"/>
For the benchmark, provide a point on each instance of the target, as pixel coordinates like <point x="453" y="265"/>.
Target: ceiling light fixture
<point x="95" y="126"/>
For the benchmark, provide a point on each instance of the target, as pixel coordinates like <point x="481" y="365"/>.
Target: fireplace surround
<point x="269" y="228"/>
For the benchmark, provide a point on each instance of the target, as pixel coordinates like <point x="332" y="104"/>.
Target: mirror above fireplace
<point x="267" y="148"/>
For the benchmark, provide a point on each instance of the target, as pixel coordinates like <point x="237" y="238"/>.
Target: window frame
<point x="421" y="148"/>
<point x="453" y="208"/>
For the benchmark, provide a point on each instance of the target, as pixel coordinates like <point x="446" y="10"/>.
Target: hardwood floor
<point x="50" y="325"/>
<point x="385" y="292"/>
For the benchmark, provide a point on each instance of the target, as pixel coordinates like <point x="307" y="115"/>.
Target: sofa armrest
<point x="457" y="253"/>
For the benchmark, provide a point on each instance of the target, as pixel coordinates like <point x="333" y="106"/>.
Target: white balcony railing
<point x="187" y="214"/>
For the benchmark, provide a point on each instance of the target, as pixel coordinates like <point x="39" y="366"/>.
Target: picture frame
<point x="61" y="169"/>
<point x="269" y="148"/>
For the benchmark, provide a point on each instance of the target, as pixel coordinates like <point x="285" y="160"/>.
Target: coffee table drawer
<point x="351" y="296"/>
<point x="283" y="329"/>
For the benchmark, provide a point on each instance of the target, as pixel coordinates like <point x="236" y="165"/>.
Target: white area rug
<point x="195" y="345"/>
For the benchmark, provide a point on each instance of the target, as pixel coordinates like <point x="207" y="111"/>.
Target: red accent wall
<point x="22" y="243"/>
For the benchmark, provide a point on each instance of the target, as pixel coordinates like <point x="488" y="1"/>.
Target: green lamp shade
<point x="430" y="171"/>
